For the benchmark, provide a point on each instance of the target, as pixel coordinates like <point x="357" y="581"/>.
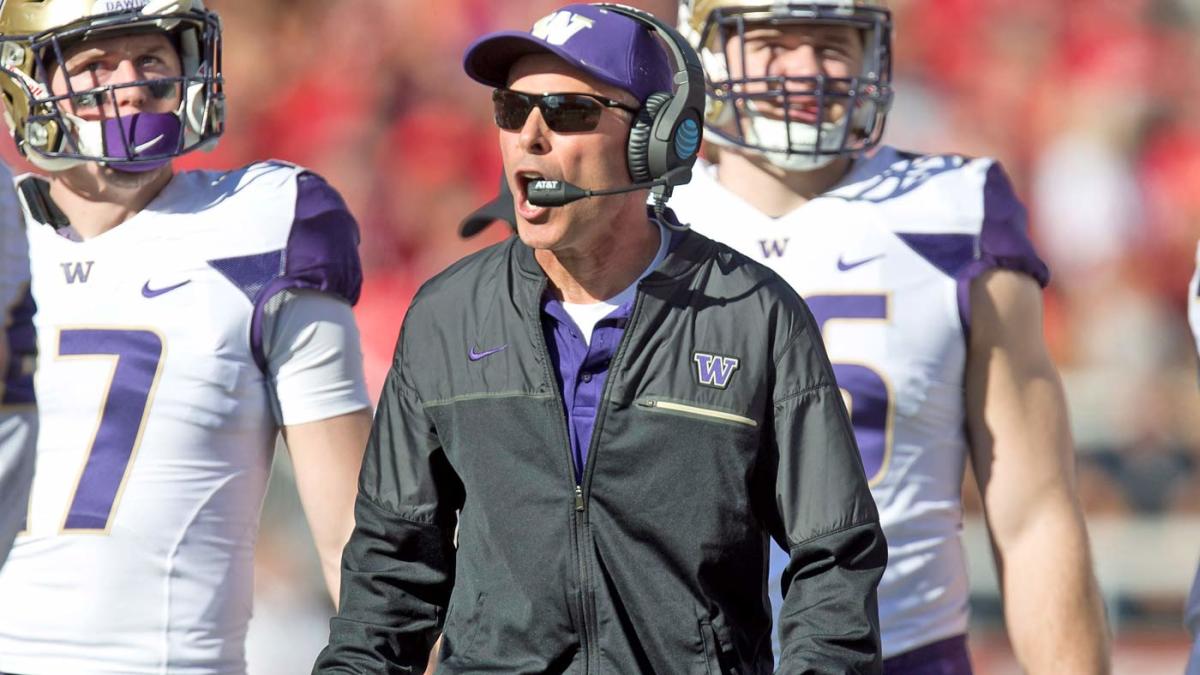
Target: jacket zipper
<point x="696" y="410"/>
<point x="587" y="598"/>
<point x="591" y="621"/>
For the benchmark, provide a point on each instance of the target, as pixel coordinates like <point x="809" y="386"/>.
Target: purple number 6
<point x="138" y="356"/>
<point x="870" y="401"/>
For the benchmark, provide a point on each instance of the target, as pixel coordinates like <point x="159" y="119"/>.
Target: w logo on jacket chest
<point x="77" y="271"/>
<point x="714" y="370"/>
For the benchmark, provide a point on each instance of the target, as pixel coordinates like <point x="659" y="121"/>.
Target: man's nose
<point x="534" y="137"/>
<point x="129" y="97"/>
<point x="799" y="62"/>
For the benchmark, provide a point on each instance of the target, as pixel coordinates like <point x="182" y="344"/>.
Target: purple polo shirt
<point x="581" y="368"/>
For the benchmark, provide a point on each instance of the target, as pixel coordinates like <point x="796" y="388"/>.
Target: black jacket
<point x="658" y="562"/>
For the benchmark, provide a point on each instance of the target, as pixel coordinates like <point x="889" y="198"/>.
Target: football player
<point x="18" y="350"/>
<point x="183" y="320"/>
<point x="921" y="273"/>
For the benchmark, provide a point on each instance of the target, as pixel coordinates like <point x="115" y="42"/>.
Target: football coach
<point x="591" y="430"/>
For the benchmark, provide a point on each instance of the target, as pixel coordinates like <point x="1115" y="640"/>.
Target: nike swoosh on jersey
<point x="475" y="356"/>
<point x="844" y="266"/>
<point x="148" y="292"/>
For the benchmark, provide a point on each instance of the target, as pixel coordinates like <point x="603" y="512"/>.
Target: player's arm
<point x="305" y="340"/>
<point x="314" y="365"/>
<point x="398" y="568"/>
<point x="1023" y="458"/>
<point x="829" y="622"/>
<point x="327" y="455"/>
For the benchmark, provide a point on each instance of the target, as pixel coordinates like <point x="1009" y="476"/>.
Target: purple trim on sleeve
<point x="321" y="253"/>
<point x="22" y="346"/>
<point x="1003" y="242"/>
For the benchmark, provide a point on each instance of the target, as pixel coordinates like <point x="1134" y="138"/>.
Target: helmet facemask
<point x="50" y="133"/>
<point x="736" y="101"/>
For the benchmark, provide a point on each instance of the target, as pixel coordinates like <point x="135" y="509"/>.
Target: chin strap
<point x="35" y="194"/>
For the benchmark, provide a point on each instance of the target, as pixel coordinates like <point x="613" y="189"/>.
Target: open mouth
<point x="521" y="197"/>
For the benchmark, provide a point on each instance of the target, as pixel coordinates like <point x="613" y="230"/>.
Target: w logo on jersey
<point x="559" y="27"/>
<point x="713" y="370"/>
<point x="78" y="271"/>
<point x="773" y="248"/>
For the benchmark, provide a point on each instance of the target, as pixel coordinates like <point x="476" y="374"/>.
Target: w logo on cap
<point x="560" y="26"/>
<point x="713" y="370"/>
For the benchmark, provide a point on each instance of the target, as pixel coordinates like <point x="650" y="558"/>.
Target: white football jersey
<point x="885" y="261"/>
<point x="157" y="423"/>
<point x="18" y="419"/>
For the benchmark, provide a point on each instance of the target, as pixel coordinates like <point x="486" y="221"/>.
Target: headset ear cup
<point x="640" y="136"/>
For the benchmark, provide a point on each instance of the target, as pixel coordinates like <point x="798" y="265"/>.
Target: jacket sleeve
<point x="398" y="567"/>
<point x="829" y="622"/>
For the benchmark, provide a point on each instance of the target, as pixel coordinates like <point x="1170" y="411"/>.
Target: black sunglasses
<point x="564" y="113"/>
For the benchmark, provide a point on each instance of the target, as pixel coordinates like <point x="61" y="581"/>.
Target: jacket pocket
<point x="671" y="407"/>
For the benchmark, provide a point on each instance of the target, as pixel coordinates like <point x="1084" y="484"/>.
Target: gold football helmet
<point x="35" y="35"/>
<point x="731" y="115"/>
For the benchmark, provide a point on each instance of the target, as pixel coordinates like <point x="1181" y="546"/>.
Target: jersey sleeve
<point x="314" y="358"/>
<point x="1003" y="241"/>
<point x="321" y="254"/>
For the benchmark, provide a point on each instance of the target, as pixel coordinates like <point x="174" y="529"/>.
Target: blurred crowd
<point x="1093" y="106"/>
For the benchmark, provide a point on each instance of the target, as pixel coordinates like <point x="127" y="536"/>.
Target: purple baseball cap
<point x="612" y="47"/>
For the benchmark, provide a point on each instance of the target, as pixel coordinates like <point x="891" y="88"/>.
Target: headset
<point x="664" y="140"/>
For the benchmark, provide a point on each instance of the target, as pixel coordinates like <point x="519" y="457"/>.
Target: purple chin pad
<point x="149" y="135"/>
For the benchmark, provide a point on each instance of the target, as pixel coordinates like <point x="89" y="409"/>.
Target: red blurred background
<point x="1092" y="106"/>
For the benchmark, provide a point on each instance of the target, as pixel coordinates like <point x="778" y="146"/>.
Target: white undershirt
<point x="587" y="315"/>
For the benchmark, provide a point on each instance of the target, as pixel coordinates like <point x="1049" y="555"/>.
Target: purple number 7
<point x="138" y="355"/>
<point x="870" y="401"/>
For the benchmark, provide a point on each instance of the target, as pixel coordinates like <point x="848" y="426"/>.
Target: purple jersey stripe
<point x="251" y="273"/>
<point x="950" y="253"/>
<point x="321" y="253"/>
